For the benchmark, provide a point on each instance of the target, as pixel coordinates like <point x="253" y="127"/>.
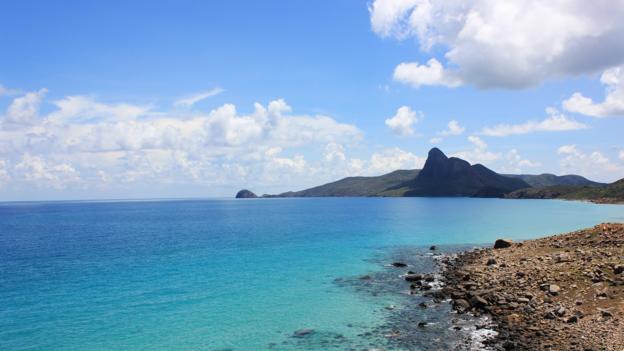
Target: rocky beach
<point x="562" y="292"/>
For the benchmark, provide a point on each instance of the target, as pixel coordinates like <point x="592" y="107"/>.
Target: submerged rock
<point x="302" y="332"/>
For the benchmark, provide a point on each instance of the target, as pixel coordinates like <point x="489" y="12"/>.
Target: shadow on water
<point x="408" y="321"/>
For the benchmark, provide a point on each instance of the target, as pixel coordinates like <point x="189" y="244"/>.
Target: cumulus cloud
<point x="432" y="73"/>
<point x="613" y="104"/>
<point x="515" y="163"/>
<point x="191" y="100"/>
<point x="590" y="164"/>
<point x="86" y="143"/>
<point x="24" y="110"/>
<point x="510" y="44"/>
<point x="555" y="122"/>
<point x="403" y="121"/>
<point x="453" y="128"/>
<point x="479" y="152"/>
<point x="392" y="159"/>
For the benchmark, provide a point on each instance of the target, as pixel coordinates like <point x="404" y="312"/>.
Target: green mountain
<point x="444" y="176"/>
<point x="547" y="179"/>
<point x="613" y="192"/>
<point x="356" y="186"/>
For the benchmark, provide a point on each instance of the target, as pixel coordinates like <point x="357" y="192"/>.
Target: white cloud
<point x="516" y="163"/>
<point x="613" y="105"/>
<point x="555" y="122"/>
<point x="453" y="128"/>
<point x="84" y="108"/>
<point x="621" y="155"/>
<point x="403" y="121"/>
<point x="479" y="152"/>
<point x="509" y="44"/>
<point x="191" y="100"/>
<point x="40" y="172"/>
<point x="594" y="164"/>
<point x="436" y="140"/>
<point x="392" y="159"/>
<point x="432" y="73"/>
<point x="84" y="143"/>
<point x="24" y="110"/>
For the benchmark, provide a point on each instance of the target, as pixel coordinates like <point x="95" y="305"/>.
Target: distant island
<point x="452" y="176"/>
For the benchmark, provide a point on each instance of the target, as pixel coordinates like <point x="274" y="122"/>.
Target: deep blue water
<point x="233" y="274"/>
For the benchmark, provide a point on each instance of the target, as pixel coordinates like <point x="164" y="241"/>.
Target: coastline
<point x="562" y="292"/>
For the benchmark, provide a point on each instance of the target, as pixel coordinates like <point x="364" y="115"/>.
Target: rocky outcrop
<point x="444" y="176"/>
<point x="245" y="194"/>
<point x="564" y="292"/>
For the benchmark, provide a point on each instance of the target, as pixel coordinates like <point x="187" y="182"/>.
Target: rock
<point x="429" y="278"/>
<point x="432" y="248"/>
<point x="605" y="313"/>
<point x="502" y="243"/>
<point x="413" y="277"/>
<point x="245" y="194"/>
<point x="365" y="277"/>
<point x="554" y="289"/>
<point x="478" y="302"/>
<point x="619" y="269"/>
<point x="572" y="319"/>
<point x="461" y="304"/>
<point x="491" y="261"/>
<point x="399" y="264"/>
<point x="303" y="332"/>
<point x="520" y="274"/>
<point x="390" y="307"/>
<point x="423" y="305"/>
<point x="561" y="311"/>
<point x="422" y="324"/>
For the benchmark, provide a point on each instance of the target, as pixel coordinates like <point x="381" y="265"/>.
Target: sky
<point x="160" y="99"/>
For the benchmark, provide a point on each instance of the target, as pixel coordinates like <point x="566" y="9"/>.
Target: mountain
<point x="610" y="193"/>
<point x="444" y="176"/>
<point x="547" y="179"/>
<point x="356" y="186"/>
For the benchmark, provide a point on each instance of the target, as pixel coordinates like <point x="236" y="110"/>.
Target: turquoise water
<point x="233" y="274"/>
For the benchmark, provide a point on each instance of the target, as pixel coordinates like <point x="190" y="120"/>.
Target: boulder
<point x="491" y="261"/>
<point x="399" y="264"/>
<point x="619" y="269"/>
<point x="432" y="248"/>
<point x="502" y="243"/>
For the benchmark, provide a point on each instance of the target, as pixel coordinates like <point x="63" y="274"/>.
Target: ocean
<point x="226" y="274"/>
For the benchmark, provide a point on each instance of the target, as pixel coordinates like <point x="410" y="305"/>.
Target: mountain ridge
<point x="440" y="176"/>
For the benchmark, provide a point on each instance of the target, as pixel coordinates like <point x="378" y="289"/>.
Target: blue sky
<point x="104" y="99"/>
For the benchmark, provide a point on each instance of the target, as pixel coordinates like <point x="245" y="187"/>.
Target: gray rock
<point x="491" y="261"/>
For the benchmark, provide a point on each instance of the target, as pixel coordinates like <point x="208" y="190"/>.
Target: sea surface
<point x="229" y="274"/>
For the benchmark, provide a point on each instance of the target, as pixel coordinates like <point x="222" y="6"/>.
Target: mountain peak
<point x="436" y="153"/>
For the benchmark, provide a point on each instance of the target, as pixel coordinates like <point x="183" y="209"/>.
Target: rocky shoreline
<point x="563" y="292"/>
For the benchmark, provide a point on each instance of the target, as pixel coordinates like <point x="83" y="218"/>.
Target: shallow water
<point x="242" y="274"/>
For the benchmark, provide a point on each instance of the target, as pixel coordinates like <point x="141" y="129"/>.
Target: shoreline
<point x="563" y="292"/>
